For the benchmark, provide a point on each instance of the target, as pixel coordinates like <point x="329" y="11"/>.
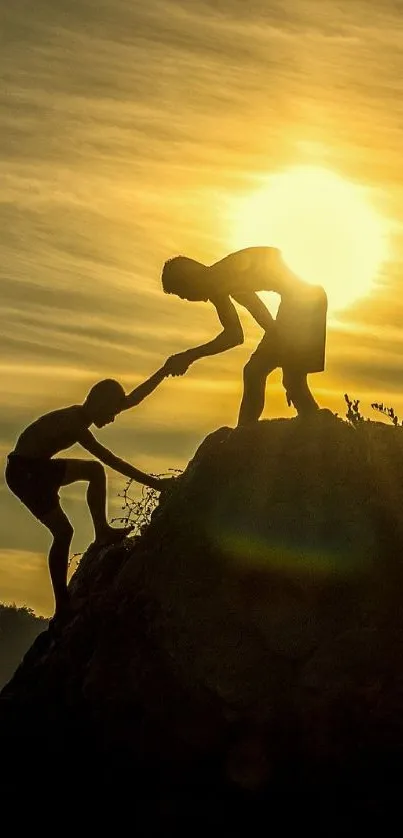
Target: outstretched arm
<point x="232" y="335"/>
<point x="88" y="441"/>
<point x="143" y="390"/>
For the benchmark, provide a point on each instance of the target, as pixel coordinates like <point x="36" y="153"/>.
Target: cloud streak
<point x="128" y="131"/>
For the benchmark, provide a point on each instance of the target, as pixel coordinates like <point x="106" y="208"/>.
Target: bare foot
<point x="113" y="534"/>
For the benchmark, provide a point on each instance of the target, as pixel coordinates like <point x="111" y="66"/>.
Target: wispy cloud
<point x="25" y="580"/>
<point x="128" y="129"/>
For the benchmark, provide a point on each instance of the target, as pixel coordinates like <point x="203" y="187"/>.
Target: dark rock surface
<point x="242" y="659"/>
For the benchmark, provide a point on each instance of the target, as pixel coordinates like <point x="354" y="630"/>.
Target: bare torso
<point x="52" y="433"/>
<point x="254" y="269"/>
<point x="301" y="317"/>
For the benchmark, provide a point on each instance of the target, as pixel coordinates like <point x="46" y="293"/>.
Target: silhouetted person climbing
<point x="295" y="340"/>
<point x="35" y="477"/>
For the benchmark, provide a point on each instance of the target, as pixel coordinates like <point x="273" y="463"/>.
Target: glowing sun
<point x="325" y="227"/>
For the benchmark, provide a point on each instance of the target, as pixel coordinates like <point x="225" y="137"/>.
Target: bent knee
<point x="293" y="377"/>
<point x="257" y="368"/>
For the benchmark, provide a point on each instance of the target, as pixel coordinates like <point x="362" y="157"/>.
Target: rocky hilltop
<point x="243" y="656"/>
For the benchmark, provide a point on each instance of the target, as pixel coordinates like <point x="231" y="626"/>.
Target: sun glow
<point x="325" y="227"/>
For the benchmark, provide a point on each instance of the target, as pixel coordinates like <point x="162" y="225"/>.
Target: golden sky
<point x="130" y="131"/>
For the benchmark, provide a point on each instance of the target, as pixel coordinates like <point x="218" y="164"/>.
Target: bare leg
<point x="296" y="386"/>
<point x="254" y="378"/>
<point x="253" y="398"/>
<point x="94" y="472"/>
<point x="96" y="499"/>
<point x="60" y="527"/>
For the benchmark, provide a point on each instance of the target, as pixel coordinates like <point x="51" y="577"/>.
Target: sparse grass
<point x="138" y="511"/>
<point x="354" y="415"/>
<point x="387" y="411"/>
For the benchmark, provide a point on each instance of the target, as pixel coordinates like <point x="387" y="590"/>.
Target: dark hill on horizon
<point x="18" y="629"/>
<point x="243" y="656"/>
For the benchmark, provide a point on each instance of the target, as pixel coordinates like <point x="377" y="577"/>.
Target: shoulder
<point x="73" y="411"/>
<point x="247" y="258"/>
<point x="262" y="252"/>
<point x="72" y="416"/>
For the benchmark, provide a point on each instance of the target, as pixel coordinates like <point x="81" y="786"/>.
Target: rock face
<point x="245" y="651"/>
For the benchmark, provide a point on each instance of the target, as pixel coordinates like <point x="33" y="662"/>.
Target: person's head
<point x="186" y="278"/>
<point x="104" y="401"/>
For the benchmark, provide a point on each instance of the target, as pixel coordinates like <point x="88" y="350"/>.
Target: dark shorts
<point x="299" y="341"/>
<point x="36" y="482"/>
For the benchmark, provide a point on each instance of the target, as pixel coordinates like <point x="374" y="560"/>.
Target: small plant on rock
<point x="138" y="511"/>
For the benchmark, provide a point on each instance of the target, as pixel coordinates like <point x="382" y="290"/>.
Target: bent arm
<point x="232" y="334"/>
<point x="143" y="390"/>
<point x="88" y="441"/>
<point x="256" y="308"/>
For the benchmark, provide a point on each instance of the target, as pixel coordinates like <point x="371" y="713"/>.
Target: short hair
<point x="172" y="268"/>
<point x="179" y="269"/>
<point x="108" y="391"/>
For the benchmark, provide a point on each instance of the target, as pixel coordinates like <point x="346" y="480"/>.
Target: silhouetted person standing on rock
<point x="35" y="477"/>
<point x="295" y="340"/>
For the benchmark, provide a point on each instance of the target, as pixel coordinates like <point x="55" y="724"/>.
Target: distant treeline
<point x="18" y="629"/>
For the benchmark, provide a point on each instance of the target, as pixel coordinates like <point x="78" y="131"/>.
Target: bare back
<point x="52" y="433"/>
<point x="253" y="269"/>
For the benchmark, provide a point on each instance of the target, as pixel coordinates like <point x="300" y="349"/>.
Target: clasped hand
<point x="178" y="364"/>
